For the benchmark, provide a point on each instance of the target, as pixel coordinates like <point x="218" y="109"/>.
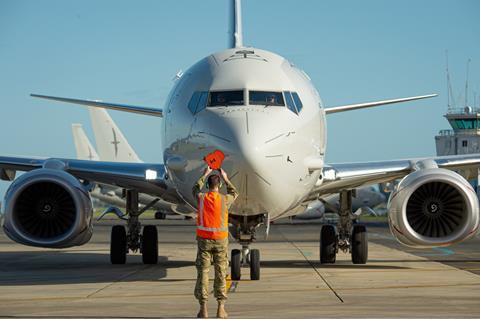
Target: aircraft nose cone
<point x="253" y="160"/>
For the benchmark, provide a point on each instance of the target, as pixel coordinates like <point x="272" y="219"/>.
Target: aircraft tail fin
<point x="235" y="32"/>
<point x="111" y="143"/>
<point x="83" y="147"/>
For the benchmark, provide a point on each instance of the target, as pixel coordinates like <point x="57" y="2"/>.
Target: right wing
<point x="147" y="178"/>
<point x="105" y="105"/>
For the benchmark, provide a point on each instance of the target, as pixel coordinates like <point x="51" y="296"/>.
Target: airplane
<point x="267" y="117"/>
<point x="113" y="146"/>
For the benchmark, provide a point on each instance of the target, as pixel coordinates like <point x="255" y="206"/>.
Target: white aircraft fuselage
<point x="266" y="146"/>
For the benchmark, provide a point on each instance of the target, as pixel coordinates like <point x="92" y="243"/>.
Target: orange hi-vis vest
<point x="212" y="217"/>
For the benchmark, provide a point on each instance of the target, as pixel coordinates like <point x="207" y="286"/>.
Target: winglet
<point x="105" y="105"/>
<point x="350" y="107"/>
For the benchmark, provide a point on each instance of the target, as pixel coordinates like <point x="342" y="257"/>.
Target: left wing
<point x="145" y="177"/>
<point x="337" y="177"/>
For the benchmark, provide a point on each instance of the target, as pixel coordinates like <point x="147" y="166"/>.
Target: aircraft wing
<point x="145" y="177"/>
<point x="344" y="176"/>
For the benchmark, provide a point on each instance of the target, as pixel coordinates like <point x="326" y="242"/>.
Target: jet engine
<point x="433" y="207"/>
<point x="48" y="208"/>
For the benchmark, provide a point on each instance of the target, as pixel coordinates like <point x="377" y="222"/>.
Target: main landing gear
<point x="244" y="232"/>
<point x="347" y="236"/>
<point x="130" y="238"/>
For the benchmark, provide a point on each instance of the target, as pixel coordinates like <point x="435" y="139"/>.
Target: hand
<point x="208" y="170"/>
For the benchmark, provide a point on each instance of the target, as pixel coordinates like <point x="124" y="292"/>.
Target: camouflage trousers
<point x="211" y="250"/>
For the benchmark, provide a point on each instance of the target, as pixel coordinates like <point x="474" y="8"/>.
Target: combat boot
<point x="221" y="313"/>
<point x="203" y="313"/>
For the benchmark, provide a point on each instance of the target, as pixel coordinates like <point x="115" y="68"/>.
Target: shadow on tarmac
<point x="60" y="267"/>
<point x="57" y="267"/>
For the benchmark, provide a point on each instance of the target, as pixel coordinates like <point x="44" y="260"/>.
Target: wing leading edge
<point x="350" y="107"/>
<point x="105" y="105"/>
<point x="145" y="177"/>
<point x="337" y="177"/>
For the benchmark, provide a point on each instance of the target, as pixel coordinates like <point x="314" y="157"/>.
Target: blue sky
<point x="129" y="51"/>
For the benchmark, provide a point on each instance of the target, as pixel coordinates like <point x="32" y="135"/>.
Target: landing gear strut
<point x="130" y="239"/>
<point x="244" y="232"/>
<point x="349" y="238"/>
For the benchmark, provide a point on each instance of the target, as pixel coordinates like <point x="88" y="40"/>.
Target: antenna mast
<point x="466" y="83"/>
<point x="449" y="86"/>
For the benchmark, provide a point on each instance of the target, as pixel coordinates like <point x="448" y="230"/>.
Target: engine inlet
<point x="45" y="210"/>
<point x="436" y="209"/>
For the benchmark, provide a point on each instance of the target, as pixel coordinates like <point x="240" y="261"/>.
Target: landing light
<point x="150" y="174"/>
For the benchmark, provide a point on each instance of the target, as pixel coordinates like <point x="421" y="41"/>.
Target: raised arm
<point x="232" y="193"/>
<point x="197" y="188"/>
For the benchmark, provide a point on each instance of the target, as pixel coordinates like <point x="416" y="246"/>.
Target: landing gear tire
<point x="328" y="243"/>
<point x="236" y="264"/>
<point x="150" y="245"/>
<point x="359" y="244"/>
<point x="254" y="264"/>
<point x="118" y="245"/>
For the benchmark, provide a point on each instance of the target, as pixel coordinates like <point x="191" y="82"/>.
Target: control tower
<point x="464" y="137"/>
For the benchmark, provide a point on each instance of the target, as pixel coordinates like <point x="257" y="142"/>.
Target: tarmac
<point x="397" y="282"/>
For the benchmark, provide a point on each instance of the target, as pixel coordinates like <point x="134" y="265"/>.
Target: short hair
<point x="213" y="181"/>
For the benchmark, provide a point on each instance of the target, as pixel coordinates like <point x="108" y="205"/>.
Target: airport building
<point x="464" y="137"/>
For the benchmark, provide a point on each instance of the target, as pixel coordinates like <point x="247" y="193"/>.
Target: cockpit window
<point x="294" y="103"/>
<point x="297" y="101"/>
<point x="225" y="98"/>
<point x="198" y="102"/>
<point x="266" y="98"/>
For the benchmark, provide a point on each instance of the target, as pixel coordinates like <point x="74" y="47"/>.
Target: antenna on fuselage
<point x="235" y="32"/>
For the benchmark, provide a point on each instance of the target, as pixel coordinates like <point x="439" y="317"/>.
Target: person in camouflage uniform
<point x="212" y="242"/>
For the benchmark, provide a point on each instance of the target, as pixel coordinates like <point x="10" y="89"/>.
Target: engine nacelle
<point x="433" y="207"/>
<point x="48" y="208"/>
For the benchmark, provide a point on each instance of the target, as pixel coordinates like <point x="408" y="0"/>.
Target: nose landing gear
<point x="243" y="258"/>
<point x="244" y="232"/>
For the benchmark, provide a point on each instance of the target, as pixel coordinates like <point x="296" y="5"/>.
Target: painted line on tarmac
<point x="119" y="280"/>
<point x="313" y="266"/>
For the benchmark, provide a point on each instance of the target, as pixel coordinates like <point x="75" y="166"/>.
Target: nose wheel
<point x="245" y="257"/>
